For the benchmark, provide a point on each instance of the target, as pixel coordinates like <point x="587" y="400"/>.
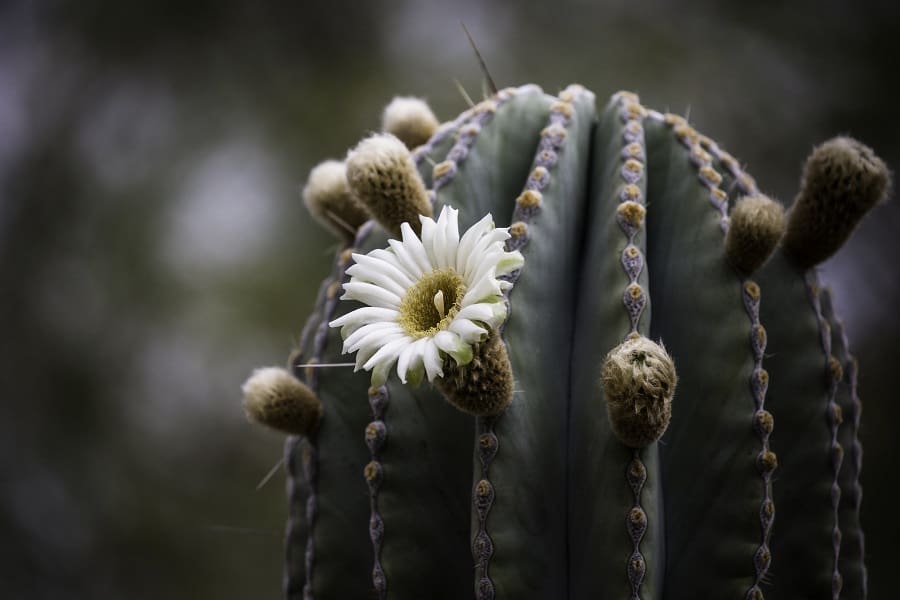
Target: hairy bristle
<point x="483" y="387"/>
<point x="410" y="120"/>
<point x="638" y="379"/>
<point x="328" y="198"/>
<point x="842" y="181"/>
<point x="381" y="173"/>
<point x="756" y="227"/>
<point x="277" y="399"/>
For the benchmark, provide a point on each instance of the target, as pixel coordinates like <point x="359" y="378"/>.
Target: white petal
<point x="452" y="237"/>
<point x="438" y="249"/>
<point x="387" y="353"/>
<point x="366" y="263"/>
<point x="486" y="287"/>
<point x="468" y="331"/>
<point x="377" y="276"/>
<point x="469" y="239"/>
<point x="481" y="311"/>
<point x="366" y="352"/>
<point x="405" y="258"/>
<point x="391" y="258"/>
<point x="403" y="361"/>
<point x="450" y="343"/>
<point x="412" y="243"/>
<point x="428" y="229"/>
<point x="481" y="247"/>
<point x="432" y="359"/>
<point x="510" y="262"/>
<point x="370" y="294"/>
<point x="374" y="334"/>
<point x="364" y="315"/>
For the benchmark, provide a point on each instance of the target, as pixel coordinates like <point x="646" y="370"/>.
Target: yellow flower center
<point x="430" y="305"/>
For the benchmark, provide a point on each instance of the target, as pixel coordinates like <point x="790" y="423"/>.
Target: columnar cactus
<point x="595" y="474"/>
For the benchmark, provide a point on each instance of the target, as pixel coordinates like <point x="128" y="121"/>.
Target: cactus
<point x="577" y="489"/>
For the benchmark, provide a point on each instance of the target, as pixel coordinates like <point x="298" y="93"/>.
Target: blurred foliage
<point x="153" y="248"/>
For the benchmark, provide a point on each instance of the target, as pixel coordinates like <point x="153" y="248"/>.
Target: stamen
<point x="439" y="303"/>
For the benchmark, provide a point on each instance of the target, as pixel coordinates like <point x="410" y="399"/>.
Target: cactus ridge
<point x="852" y="568"/>
<point x="606" y="207"/>
<point x="833" y="373"/>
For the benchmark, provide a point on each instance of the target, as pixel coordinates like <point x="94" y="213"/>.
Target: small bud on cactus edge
<point x="382" y="174"/>
<point x="328" y="198"/>
<point x="484" y="386"/>
<point x="410" y="119"/>
<point x="638" y="379"/>
<point x="277" y="399"/>
<point x="842" y="180"/>
<point x="756" y="226"/>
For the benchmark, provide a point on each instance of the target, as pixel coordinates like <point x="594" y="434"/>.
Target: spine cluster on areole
<point x="833" y="373"/>
<point x="702" y="150"/>
<point x="375" y="435"/>
<point x="630" y="214"/>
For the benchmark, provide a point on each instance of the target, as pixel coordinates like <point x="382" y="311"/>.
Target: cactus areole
<point x="518" y="424"/>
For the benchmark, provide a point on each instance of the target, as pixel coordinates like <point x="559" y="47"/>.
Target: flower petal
<point x="510" y="262"/>
<point x="405" y="258"/>
<point x="450" y="343"/>
<point x="370" y="294"/>
<point x="432" y="359"/>
<point x="469" y="239"/>
<point x="367" y="263"/>
<point x="387" y="353"/>
<point x="468" y="331"/>
<point x="412" y="243"/>
<point x="372" y="334"/>
<point x="362" y="316"/>
<point x="485" y="287"/>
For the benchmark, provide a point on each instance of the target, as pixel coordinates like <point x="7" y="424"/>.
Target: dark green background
<point x="153" y="248"/>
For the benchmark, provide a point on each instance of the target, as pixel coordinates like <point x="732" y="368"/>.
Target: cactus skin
<point x="385" y="498"/>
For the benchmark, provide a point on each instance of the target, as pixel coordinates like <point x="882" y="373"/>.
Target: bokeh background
<point x="153" y="247"/>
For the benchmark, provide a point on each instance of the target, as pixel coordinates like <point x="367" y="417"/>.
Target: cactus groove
<point x="616" y="213"/>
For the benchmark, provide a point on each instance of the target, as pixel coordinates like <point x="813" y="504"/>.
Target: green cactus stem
<point x="581" y="486"/>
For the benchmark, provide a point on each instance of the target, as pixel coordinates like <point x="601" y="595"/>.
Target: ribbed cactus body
<point x="753" y="490"/>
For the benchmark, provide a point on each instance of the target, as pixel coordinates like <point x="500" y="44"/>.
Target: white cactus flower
<point x="427" y="298"/>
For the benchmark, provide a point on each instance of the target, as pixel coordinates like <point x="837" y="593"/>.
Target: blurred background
<point x="154" y="249"/>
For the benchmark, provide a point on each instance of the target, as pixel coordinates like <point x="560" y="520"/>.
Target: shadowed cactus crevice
<point x="633" y="227"/>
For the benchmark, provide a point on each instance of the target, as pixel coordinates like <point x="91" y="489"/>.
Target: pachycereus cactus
<point x="592" y="361"/>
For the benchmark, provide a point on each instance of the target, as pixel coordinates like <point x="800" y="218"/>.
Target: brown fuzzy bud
<point x="410" y="119"/>
<point x="328" y="198"/>
<point x="842" y="180"/>
<point x="756" y="226"/>
<point x="639" y="380"/>
<point x="483" y="387"/>
<point x="277" y="399"/>
<point x="382" y="174"/>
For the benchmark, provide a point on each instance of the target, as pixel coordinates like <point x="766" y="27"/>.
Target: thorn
<point x="270" y="474"/>
<point x="341" y="222"/>
<point x="463" y="93"/>
<point x="687" y="114"/>
<point x="491" y="85"/>
<point x="430" y="161"/>
<point x="318" y="365"/>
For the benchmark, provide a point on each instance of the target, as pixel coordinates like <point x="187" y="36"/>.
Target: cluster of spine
<point x="631" y="210"/>
<point x="702" y="152"/>
<point x="376" y="433"/>
<point x="630" y="217"/>
<point x="553" y="138"/>
<point x="833" y="375"/>
<point x="483" y="498"/>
